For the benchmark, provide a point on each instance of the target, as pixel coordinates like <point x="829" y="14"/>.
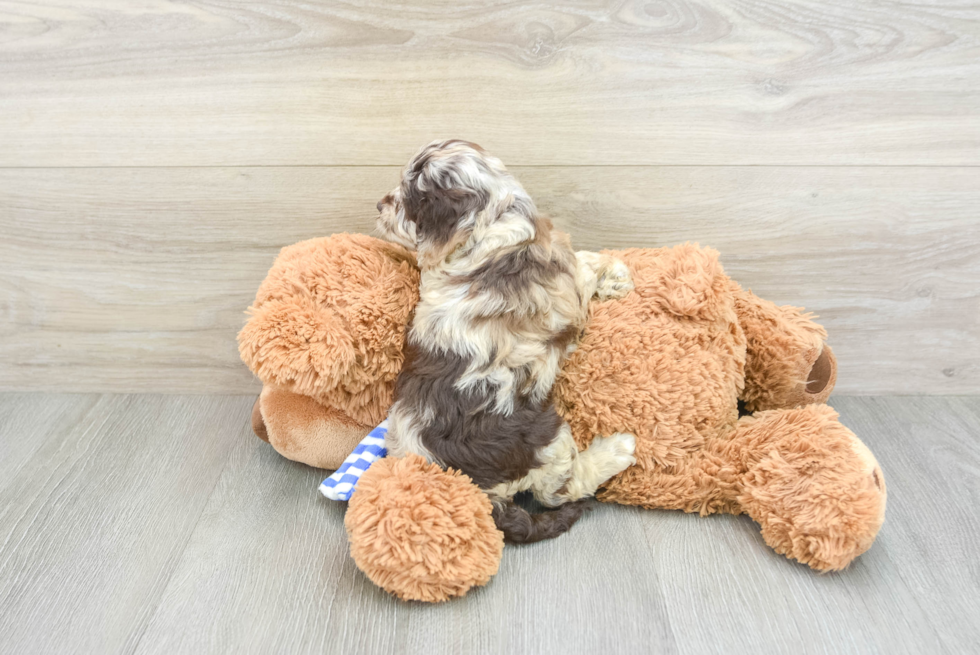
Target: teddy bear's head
<point x="329" y="322"/>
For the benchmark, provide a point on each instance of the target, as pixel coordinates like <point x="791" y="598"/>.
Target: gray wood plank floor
<point x="159" y="524"/>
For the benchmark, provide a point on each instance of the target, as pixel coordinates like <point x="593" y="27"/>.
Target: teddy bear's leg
<point x="702" y="483"/>
<point x="602" y="275"/>
<point x="813" y="487"/>
<point x="303" y="430"/>
<point x="788" y="363"/>
<point x="421" y="532"/>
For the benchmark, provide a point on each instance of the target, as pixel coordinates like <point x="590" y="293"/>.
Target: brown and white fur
<point x="503" y="299"/>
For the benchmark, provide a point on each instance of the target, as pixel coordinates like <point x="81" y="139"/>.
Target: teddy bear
<point x="724" y="391"/>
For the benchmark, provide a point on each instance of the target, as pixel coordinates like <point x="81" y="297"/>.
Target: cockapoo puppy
<point x="503" y="299"/>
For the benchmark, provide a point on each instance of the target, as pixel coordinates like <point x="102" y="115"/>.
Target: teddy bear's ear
<point x="297" y="344"/>
<point x="686" y="281"/>
<point x="329" y="322"/>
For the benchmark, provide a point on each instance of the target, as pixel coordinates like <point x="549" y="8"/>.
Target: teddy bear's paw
<point x="613" y="454"/>
<point x="615" y="280"/>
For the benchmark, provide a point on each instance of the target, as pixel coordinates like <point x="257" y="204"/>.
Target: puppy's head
<point x="448" y="189"/>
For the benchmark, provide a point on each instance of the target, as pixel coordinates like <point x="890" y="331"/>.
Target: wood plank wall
<point x="154" y="156"/>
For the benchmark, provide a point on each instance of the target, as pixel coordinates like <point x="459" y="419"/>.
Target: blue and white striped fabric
<point x="340" y="485"/>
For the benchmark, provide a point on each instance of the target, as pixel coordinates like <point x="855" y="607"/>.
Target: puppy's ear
<point x="438" y="214"/>
<point x="439" y="205"/>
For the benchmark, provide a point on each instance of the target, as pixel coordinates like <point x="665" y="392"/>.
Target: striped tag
<point x="340" y="485"/>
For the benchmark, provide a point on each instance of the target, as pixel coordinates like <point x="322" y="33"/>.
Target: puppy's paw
<point x="623" y="448"/>
<point x="613" y="454"/>
<point x="615" y="280"/>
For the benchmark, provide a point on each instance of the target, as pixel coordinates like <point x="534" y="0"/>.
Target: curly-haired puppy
<point x="503" y="300"/>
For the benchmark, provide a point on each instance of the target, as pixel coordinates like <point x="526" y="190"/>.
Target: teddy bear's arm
<point x="788" y="363"/>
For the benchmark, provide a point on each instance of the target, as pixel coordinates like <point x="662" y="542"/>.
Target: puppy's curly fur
<point x="503" y="299"/>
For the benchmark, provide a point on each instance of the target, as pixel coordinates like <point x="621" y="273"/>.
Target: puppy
<point x="503" y="299"/>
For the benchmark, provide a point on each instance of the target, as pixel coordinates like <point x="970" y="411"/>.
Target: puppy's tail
<point x="521" y="527"/>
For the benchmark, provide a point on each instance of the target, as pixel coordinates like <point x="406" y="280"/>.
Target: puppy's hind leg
<point x="563" y="479"/>
<point x="570" y="475"/>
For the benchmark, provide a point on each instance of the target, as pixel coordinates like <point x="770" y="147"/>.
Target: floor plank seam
<point x="180" y="557"/>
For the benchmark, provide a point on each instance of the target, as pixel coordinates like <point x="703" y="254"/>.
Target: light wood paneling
<point x="832" y="153"/>
<point x="136" y="279"/>
<point x="592" y="81"/>
<point x="158" y="525"/>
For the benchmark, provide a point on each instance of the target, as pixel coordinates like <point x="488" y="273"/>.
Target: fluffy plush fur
<point x="329" y="322"/>
<point x="670" y="363"/>
<point x="503" y="299"/>
<point x="425" y="533"/>
<point x="772" y="378"/>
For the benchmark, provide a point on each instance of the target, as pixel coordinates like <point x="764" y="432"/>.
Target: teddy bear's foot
<point x="787" y="363"/>
<point x="823" y="373"/>
<point x="815" y="489"/>
<point x="420" y="532"/>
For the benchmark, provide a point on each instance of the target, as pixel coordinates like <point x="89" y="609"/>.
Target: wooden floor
<point x="160" y="524"/>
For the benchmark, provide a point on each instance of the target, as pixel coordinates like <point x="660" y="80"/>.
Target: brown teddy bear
<point x="675" y="363"/>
